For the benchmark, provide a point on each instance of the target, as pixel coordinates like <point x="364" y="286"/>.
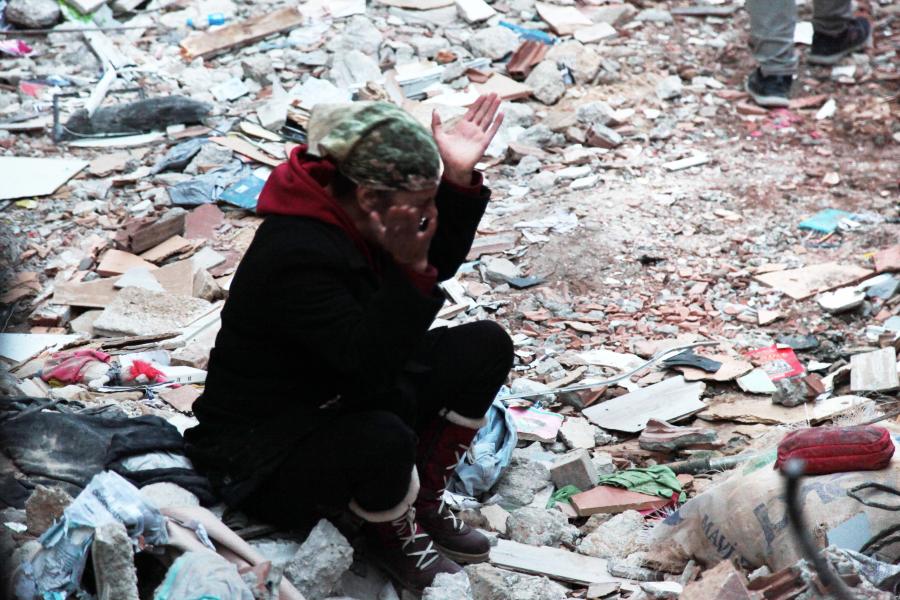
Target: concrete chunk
<point x="574" y="468"/>
<point x="113" y="558"/>
<point x="136" y="311"/>
<point x="321" y="561"/>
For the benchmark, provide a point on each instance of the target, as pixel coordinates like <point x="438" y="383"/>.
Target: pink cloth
<point x="68" y="367"/>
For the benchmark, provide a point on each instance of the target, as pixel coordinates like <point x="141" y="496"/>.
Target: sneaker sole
<point x="767" y="101"/>
<point x="462" y="558"/>
<point x="833" y="59"/>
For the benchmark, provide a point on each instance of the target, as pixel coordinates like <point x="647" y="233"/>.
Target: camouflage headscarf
<point x="375" y="144"/>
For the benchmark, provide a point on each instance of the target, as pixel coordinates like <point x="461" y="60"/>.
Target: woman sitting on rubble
<point x="326" y="389"/>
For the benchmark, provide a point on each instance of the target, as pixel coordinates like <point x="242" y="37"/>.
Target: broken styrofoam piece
<point x="842" y="300"/>
<point x="757" y="381"/>
<point x="139" y="277"/>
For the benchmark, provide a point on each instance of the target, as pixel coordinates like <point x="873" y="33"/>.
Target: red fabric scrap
<point x="141" y="368"/>
<point x="68" y="367"/>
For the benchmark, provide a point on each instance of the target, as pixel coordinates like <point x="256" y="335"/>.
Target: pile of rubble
<point x="661" y="250"/>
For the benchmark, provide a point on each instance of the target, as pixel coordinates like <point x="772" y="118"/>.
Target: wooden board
<point x="181" y="398"/>
<point x="703" y="11"/>
<point x="874" y="371"/>
<point x="667" y="400"/>
<point x="888" y="259"/>
<point x="753" y="410"/>
<point x="117" y="262"/>
<point x="418" y="4"/>
<point x="563" y="20"/>
<point x="242" y="146"/>
<point x="170" y="247"/>
<point x="177" y="277"/>
<point x="88" y="294"/>
<point x="554" y="563"/>
<point x="252" y="30"/>
<point x="613" y="500"/>
<point x="26" y="177"/>
<point x="474" y="11"/>
<point x="506" y="88"/>
<point x="804" y="282"/>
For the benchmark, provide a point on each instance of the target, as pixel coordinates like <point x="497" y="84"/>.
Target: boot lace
<point x="443" y="509"/>
<point x="406" y="528"/>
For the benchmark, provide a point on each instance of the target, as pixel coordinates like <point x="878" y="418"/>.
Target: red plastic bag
<point x="837" y="449"/>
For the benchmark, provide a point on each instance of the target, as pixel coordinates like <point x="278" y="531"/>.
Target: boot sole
<point x="833" y="59"/>
<point x="462" y="558"/>
<point x="394" y="577"/>
<point x="767" y="101"/>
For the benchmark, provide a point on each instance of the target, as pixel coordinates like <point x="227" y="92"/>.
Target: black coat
<point x="308" y="321"/>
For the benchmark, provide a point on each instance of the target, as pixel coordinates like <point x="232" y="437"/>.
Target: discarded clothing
<point x="563" y="494"/>
<point x="653" y="481"/>
<point x="80" y="366"/>
<point x="178" y="157"/>
<point x="207" y="188"/>
<point x="67" y="446"/>
<point x="202" y="576"/>
<point x="489" y="454"/>
<point x="59" y="565"/>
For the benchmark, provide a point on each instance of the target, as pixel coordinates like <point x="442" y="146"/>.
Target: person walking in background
<point x="772" y="22"/>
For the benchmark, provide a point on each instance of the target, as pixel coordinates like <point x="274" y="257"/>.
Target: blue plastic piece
<point x="244" y="193"/>
<point x="530" y="34"/>
<point x="210" y="20"/>
<point x="825" y="221"/>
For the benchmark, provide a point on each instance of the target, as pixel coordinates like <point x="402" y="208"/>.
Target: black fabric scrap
<point x="689" y="359"/>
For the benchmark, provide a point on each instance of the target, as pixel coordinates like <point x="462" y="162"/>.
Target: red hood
<point x="297" y="188"/>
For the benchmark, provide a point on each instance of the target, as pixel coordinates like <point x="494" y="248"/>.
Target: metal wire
<point x="661" y="355"/>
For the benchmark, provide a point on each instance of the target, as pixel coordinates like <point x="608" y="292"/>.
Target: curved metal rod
<point x="661" y="355"/>
<point x="793" y="472"/>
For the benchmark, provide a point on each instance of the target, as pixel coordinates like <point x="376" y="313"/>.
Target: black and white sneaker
<point x="830" y="49"/>
<point x="769" y="90"/>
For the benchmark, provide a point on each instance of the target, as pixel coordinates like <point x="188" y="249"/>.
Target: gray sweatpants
<point x="772" y="30"/>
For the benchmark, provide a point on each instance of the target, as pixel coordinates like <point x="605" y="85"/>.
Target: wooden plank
<point x="874" y="371"/>
<point x="613" y="500"/>
<point x="804" y="282"/>
<point x="89" y="294"/>
<point x="554" y="563"/>
<point x="667" y="400"/>
<point x="252" y="30"/>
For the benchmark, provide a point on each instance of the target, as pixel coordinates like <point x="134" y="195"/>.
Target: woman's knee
<point x="493" y="343"/>
<point x="382" y="439"/>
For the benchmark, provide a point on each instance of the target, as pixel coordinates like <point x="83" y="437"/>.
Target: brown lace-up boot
<point x="441" y="447"/>
<point x="400" y="546"/>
